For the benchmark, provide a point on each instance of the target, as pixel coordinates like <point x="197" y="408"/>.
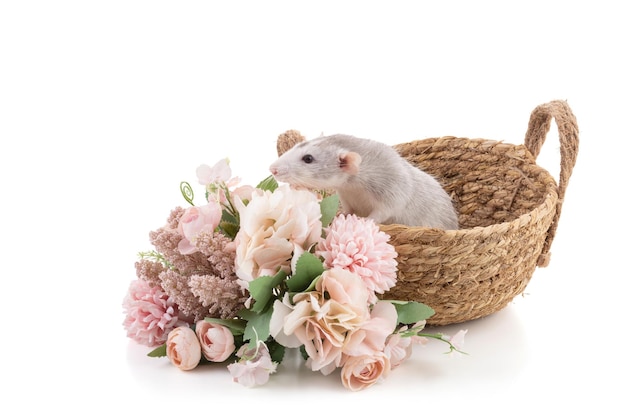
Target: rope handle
<point x="538" y="127"/>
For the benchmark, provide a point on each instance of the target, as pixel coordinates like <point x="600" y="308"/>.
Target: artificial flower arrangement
<point x="257" y="270"/>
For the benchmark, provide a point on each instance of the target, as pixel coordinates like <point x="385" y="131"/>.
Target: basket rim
<point x="549" y="201"/>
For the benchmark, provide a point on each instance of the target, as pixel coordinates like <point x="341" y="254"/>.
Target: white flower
<point x="274" y="225"/>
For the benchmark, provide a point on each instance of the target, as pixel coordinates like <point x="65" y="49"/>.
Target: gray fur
<point x="386" y="188"/>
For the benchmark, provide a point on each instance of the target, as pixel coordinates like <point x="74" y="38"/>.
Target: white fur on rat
<point x="371" y="179"/>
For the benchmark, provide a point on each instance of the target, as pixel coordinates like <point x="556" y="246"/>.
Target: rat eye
<point x="308" y="159"/>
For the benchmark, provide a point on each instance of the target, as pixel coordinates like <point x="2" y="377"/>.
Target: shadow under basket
<point x="508" y="207"/>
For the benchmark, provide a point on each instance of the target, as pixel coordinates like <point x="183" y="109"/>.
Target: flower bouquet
<point x="253" y="271"/>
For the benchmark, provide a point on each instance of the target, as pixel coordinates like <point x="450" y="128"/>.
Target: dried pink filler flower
<point x="149" y="271"/>
<point x="357" y="244"/>
<point x="150" y="314"/>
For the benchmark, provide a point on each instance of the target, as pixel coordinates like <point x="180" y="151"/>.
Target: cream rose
<point x="359" y="372"/>
<point x="183" y="348"/>
<point x="216" y="341"/>
<point x="274" y="225"/>
<point x="321" y="320"/>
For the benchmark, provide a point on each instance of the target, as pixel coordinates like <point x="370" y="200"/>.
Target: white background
<point x="106" y="106"/>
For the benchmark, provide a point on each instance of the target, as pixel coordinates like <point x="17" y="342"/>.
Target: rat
<point x="371" y="179"/>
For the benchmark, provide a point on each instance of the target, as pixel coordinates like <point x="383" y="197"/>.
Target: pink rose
<point x="196" y="220"/>
<point x="254" y="367"/>
<point x="217" y="341"/>
<point x="359" y="372"/>
<point x="183" y="348"/>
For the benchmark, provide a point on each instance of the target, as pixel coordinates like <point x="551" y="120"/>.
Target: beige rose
<point x="345" y="288"/>
<point x="274" y="225"/>
<point x="216" y="341"/>
<point x="360" y="372"/>
<point x="320" y="324"/>
<point x="183" y="348"/>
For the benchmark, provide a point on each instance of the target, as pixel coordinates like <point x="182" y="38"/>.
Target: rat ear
<point x="349" y="162"/>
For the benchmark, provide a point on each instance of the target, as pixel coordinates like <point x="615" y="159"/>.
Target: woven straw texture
<point x="508" y="207"/>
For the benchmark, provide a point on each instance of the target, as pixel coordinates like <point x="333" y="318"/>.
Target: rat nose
<point x="273" y="170"/>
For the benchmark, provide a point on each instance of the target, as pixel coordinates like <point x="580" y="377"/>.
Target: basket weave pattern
<point x="508" y="210"/>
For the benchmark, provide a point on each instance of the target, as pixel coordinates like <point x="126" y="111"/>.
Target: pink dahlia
<point x="357" y="244"/>
<point x="150" y="314"/>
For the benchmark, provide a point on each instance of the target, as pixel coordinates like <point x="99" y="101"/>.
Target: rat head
<point x="316" y="164"/>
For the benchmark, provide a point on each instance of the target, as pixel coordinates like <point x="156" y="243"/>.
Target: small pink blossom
<point x="254" y="366"/>
<point x="457" y="341"/>
<point x="183" y="348"/>
<point x="357" y="244"/>
<point x="244" y="193"/>
<point x="218" y="180"/>
<point x="218" y="173"/>
<point x="150" y="314"/>
<point x="196" y="220"/>
<point x="399" y="349"/>
<point x="360" y="372"/>
<point x="217" y="341"/>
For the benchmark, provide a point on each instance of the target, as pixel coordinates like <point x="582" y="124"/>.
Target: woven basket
<point x="508" y="207"/>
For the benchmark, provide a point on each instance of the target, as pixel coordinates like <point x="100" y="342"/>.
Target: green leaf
<point x="268" y="184"/>
<point x="236" y="326"/>
<point x="410" y="312"/>
<point x="262" y="289"/>
<point x="158" y="352"/>
<point x="277" y="351"/>
<point x="229" y="229"/>
<point x="308" y="267"/>
<point x="329" y="206"/>
<point x="227" y="216"/>
<point x="257" y="326"/>
<point x="303" y="352"/>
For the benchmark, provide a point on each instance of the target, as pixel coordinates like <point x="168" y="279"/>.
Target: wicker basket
<point x="508" y="207"/>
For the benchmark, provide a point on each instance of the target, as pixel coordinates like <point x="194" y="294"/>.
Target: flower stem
<point x="156" y="257"/>
<point x="443" y="338"/>
<point x="187" y="192"/>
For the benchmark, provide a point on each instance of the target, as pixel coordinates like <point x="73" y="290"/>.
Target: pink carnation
<point x="357" y="244"/>
<point x="150" y="314"/>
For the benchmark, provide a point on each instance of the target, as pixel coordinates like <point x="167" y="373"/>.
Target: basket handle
<point x="538" y="127"/>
